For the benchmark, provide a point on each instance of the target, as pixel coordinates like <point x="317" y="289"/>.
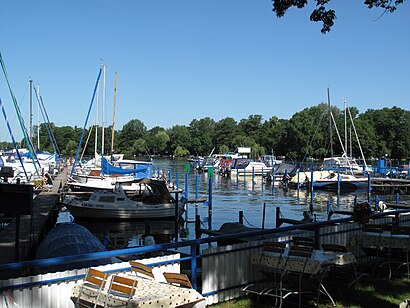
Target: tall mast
<point x="345" y="126"/>
<point x="31" y="110"/>
<point x="96" y="122"/>
<point x="102" y="111"/>
<point x="113" y="114"/>
<point x="330" y="124"/>
<point x="38" y="120"/>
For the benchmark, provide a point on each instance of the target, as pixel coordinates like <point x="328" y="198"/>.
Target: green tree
<point x="139" y="147"/>
<point x="325" y="15"/>
<point x="71" y="148"/>
<point x="130" y="132"/>
<point x="179" y="135"/>
<point x="202" y="132"/>
<point x="157" y="140"/>
<point x="252" y="127"/>
<point x="181" y="152"/>
<point x="225" y="131"/>
<point x="223" y="149"/>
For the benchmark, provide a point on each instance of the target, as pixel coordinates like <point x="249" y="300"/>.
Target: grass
<point x="371" y="292"/>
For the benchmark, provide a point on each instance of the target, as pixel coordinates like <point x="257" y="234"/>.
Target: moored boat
<point x="152" y="200"/>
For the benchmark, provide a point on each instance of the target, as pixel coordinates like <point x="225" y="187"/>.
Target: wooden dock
<point x="32" y="228"/>
<point x="390" y="186"/>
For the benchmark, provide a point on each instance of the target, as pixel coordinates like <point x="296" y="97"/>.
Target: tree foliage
<point x="326" y="15"/>
<point x="308" y="133"/>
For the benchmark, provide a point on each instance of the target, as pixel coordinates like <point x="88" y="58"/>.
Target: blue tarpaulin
<point x="142" y="170"/>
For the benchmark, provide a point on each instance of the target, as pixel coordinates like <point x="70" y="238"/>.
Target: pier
<point x="32" y="228"/>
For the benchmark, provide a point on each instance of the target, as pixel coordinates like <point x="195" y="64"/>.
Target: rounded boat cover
<point x="69" y="239"/>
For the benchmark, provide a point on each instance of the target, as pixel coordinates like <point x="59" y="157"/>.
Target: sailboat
<point x="101" y="173"/>
<point x="337" y="172"/>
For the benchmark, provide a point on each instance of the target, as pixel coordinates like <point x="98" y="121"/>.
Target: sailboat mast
<point x="330" y="123"/>
<point x="96" y="122"/>
<point x="102" y="111"/>
<point x="345" y="126"/>
<point x="38" y="120"/>
<point x="113" y="114"/>
<point x="31" y="110"/>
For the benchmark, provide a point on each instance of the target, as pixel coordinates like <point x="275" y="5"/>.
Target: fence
<point x="223" y="272"/>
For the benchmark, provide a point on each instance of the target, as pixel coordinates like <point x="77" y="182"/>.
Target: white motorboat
<point x="247" y="166"/>
<point x="152" y="200"/>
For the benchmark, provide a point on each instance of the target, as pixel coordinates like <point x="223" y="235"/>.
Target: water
<point x="230" y="195"/>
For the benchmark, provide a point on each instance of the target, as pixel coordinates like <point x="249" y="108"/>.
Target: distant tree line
<point x="384" y="132"/>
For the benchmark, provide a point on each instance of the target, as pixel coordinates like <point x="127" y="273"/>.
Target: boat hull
<point x="139" y="211"/>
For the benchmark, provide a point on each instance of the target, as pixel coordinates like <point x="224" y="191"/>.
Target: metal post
<point x="329" y="209"/>
<point x="241" y="217"/>
<point x="397" y="198"/>
<point x="273" y="176"/>
<point x="263" y="215"/>
<point x="196" y="195"/>
<point x="176" y="216"/>
<point x="193" y="265"/>
<point x="338" y="182"/>
<point x="253" y="174"/>
<point x="369" y="188"/>
<point x="186" y="196"/>
<point x="210" y="205"/>
<point x="277" y="217"/>
<point x="177" y="179"/>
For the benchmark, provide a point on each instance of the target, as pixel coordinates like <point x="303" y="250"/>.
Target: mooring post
<point x="338" y="182"/>
<point x="263" y="175"/>
<point x="210" y="204"/>
<point x="241" y="217"/>
<point x="253" y="173"/>
<point x="277" y="223"/>
<point x="369" y="187"/>
<point x="177" y="179"/>
<point x="186" y="196"/>
<point x="273" y="176"/>
<point x="355" y="201"/>
<point x="196" y="195"/>
<point x="237" y="176"/>
<point x="197" y="226"/>
<point x="263" y="215"/>
<point x="329" y="210"/>
<point x="176" y="215"/>
<point x="170" y="175"/>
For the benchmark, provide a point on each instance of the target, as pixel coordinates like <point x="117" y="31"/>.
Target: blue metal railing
<point x="193" y="244"/>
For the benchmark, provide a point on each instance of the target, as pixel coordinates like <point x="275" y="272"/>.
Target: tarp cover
<point x="141" y="171"/>
<point x="68" y="239"/>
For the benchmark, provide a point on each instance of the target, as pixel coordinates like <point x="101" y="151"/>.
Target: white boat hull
<point x="86" y="209"/>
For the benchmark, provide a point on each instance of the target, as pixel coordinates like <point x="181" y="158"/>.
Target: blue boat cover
<point x="141" y="170"/>
<point x="69" y="239"/>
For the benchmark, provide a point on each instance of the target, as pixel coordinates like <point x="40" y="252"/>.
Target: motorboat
<point x="152" y="200"/>
<point x="247" y="166"/>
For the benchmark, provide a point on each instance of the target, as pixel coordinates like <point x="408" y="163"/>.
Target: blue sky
<point x="184" y="60"/>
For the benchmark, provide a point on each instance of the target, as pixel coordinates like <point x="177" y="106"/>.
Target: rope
<point x="20" y="117"/>
<point x="247" y="221"/>
<point x="12" y="138"/>
<point x="85" y="124"/>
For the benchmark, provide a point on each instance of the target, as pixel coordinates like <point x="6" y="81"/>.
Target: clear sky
<point x="183" y="60"/>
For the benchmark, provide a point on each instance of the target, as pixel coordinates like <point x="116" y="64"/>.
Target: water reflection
<point x="121" y="234"/>
<point x="229" y="197"/>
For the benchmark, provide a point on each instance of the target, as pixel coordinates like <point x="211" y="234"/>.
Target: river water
<point x="229" y="197"/>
